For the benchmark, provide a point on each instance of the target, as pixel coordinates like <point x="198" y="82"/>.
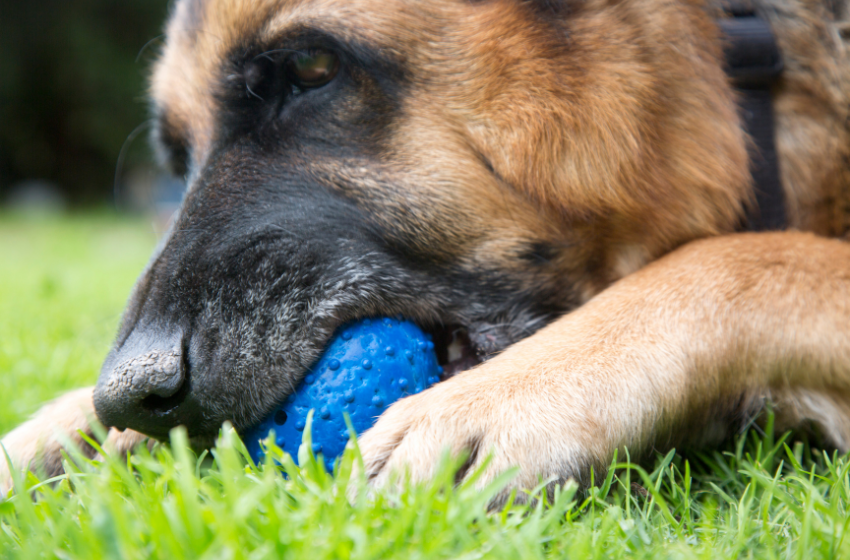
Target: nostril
<point x="157" y="380"/>
<point x="171" y="395"/>
<point x="158" y="404"/>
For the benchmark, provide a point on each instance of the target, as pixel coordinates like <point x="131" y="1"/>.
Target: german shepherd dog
<point x="554" y="188"/>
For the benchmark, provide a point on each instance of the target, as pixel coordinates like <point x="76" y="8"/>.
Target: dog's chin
<point x="202" y="442"/>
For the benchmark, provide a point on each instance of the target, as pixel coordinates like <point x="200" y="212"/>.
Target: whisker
<point x="146" y="45"/>
<point x="122" y="155"/>
<point x="251" y="92"/>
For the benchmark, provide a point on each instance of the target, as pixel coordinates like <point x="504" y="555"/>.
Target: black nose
<point x="144" y="383"/>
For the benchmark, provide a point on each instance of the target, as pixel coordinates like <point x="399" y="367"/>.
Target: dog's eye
<point x="313" y="69"/>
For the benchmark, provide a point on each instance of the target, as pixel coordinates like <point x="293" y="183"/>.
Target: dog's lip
<point x="455" y="351"/>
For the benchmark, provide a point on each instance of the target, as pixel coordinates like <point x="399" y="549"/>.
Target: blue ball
<point x="368" y="366"/>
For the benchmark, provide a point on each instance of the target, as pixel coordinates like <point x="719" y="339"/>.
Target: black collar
<point x="754" y="64"/>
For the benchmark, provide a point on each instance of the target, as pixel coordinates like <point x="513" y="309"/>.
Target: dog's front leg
<point x="38" y="443"/>
<point x="666" y="355"/>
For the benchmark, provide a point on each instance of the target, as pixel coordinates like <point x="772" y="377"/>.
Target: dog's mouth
<point x="455" y="351"/>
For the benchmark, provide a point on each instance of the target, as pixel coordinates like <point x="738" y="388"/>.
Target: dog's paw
<point x="497" y="418"/>
<point x="37" y="444"/>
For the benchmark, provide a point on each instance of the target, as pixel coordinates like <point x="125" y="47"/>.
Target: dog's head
<point x="480" y="167"/>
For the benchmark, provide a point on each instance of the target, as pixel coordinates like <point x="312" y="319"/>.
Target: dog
<point x="555" y="189"/>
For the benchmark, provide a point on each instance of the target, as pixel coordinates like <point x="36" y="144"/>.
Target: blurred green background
<point x="72" y="89"/>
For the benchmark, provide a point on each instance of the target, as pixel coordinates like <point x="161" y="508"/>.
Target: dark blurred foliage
<point x="72" y="90"/>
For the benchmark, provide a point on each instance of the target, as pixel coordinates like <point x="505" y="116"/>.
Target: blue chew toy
<point x="368" y="366"/>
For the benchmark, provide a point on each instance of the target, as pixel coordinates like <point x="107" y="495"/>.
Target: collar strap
<point x="754" y="64"/>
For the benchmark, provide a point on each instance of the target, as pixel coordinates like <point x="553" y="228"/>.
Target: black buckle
<point x="753" y="59"/>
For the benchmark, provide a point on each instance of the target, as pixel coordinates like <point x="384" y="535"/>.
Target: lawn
<point x="62" y="285"/>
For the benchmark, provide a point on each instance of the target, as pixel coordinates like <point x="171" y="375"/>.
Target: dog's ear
<point x="615" y="110"/>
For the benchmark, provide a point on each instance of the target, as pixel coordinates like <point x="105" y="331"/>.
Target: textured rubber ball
<point x="393" y="357"/>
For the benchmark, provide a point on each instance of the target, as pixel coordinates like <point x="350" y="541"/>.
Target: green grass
<point x="63" y="284"/>
<point x="61" y="290"/>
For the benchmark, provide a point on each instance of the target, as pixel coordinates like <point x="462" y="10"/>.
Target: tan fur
<point x="609" y="131"/>
<point x="605" y="134"/>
